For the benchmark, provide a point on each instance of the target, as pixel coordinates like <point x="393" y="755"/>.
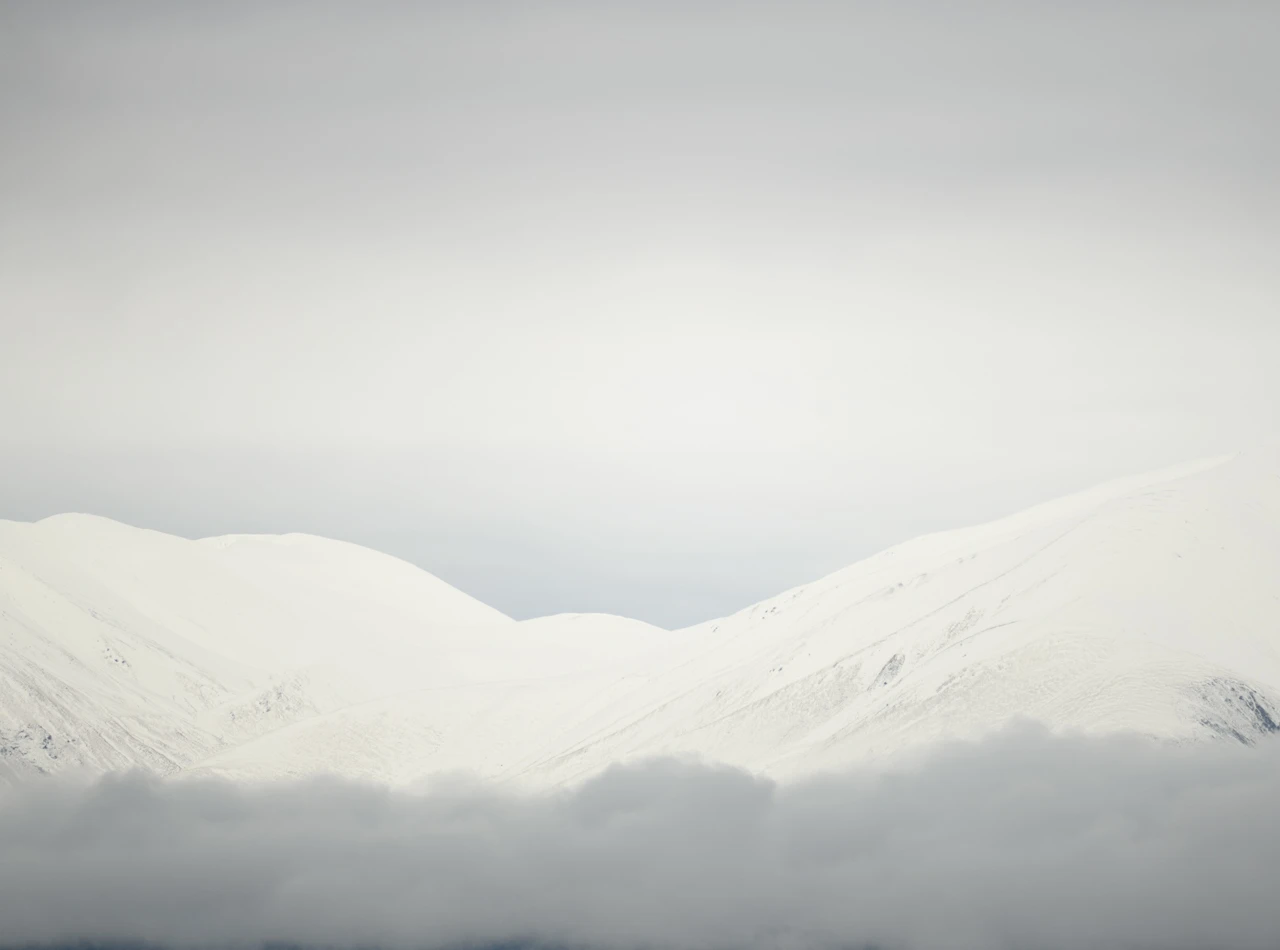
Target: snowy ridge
<point x="1148" y="604"/>
<point x="122" y="647"/>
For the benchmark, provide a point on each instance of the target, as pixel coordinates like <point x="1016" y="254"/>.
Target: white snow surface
<point x="1148" y="604"/>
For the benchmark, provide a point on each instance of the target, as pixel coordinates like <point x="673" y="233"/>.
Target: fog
<point x="1021" y="840"/>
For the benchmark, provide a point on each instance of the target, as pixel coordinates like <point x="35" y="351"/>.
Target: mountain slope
<point x="123" y="647"/>
<point x="1152" y="604"/>
<point x="1149" y="604"/>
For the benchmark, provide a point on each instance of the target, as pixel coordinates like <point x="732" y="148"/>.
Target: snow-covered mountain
<point x="1149" y="604"/>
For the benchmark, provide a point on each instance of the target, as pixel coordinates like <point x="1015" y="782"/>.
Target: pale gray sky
<point x="648" y="308"/>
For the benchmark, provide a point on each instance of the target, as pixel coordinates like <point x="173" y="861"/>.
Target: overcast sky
<point x="649" y="308"/>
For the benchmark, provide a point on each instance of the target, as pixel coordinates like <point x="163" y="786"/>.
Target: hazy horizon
<point x="1259" y="451"/>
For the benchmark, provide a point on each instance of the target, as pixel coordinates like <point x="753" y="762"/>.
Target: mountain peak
<point x="1148" y="604"/>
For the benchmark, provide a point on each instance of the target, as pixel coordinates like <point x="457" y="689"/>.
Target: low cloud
<point x="1024" y="840"/>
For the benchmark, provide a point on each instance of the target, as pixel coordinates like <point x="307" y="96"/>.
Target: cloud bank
<point x="1023" y="840"/>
